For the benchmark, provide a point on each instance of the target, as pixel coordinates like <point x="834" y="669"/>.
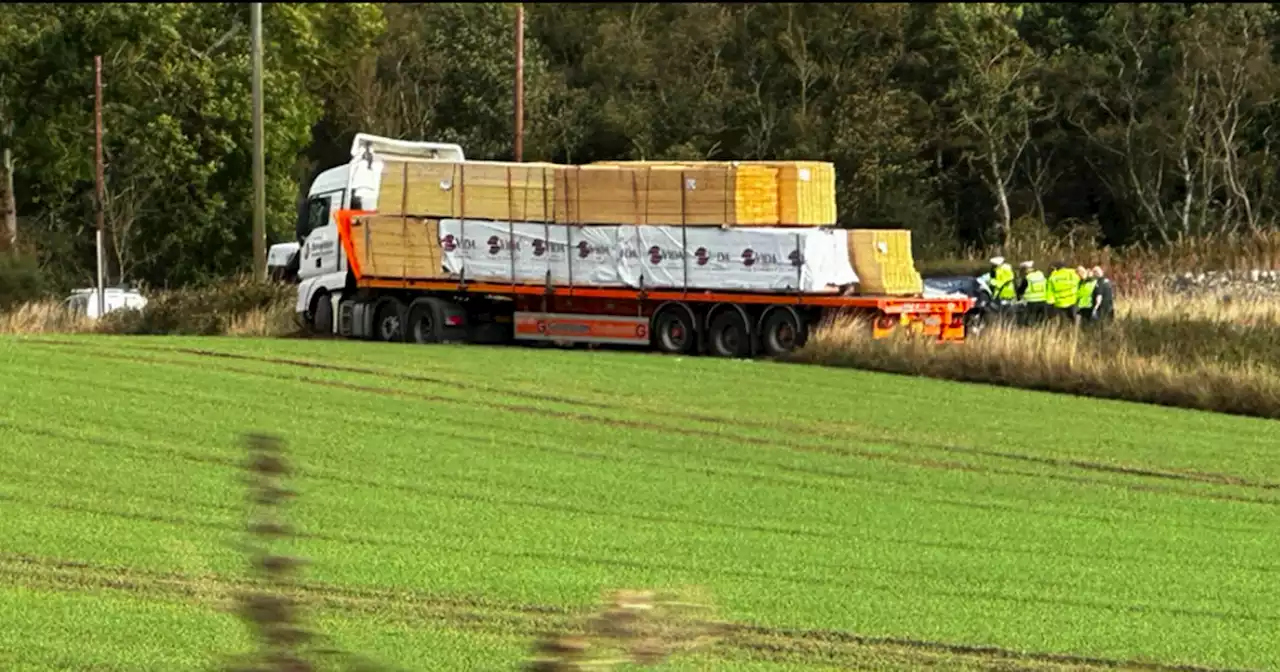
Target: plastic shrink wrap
<point x="752" y="259"/>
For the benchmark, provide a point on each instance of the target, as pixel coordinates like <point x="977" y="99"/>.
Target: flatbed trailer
<point x="675" y="321"/>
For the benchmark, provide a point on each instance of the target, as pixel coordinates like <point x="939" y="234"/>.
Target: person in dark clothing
<point x="1104" y="297"/>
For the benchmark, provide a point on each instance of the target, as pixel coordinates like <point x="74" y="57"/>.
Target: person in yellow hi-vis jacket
<point x="1033" y="289"/>
<point x="1002" y="280"/>
<point x="1086" y="296"/>
<point x="1064" y="282"/>
<point x="999" y="281"/>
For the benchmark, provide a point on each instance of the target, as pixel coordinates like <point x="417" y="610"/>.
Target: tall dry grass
<point x="1132" y="267"/>
<point x="44" y="317"/>
<point x="240" y="307"/>
<point x="1093" y="362"/>
<point x="1201" y="306"/>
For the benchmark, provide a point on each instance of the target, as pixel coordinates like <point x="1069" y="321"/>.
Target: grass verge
<point x="1135" y="360"/>
<point x="458" y="501"/>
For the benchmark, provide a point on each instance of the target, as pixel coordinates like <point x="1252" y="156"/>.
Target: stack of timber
<point x="882" y="259"/>
<point x="724" y="194"/>
<point x="396" y="246"/>
<point x="668" y="195"/>
<point x="774" y="193"/>
<point x="716" y="226"/>
<point x="472" y="189"/>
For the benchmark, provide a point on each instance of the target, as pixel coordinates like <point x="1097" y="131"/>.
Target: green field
<point x="457" y="501"/>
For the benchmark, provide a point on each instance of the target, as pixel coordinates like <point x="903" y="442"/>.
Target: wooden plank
<point x="398" y="246"/>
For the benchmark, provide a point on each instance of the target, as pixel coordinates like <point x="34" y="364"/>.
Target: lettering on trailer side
<point x="751" y="258"/>
<point x="451" y="243"/>
<point x="541" y="247"/>
<point x="499" y="244"/>
<point x="657" y="254"/>
<point x="320" y="246"/>
<point x="586" y="249"/>
<point x="584" y="328"/>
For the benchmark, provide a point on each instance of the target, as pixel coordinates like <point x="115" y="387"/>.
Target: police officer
<point x="1033" y="289"/>
<point x="1086" y="295"/>
<point x="1002" y="280"/>
<point x="1064" y="281"/>
<point x="1104" y="302"/>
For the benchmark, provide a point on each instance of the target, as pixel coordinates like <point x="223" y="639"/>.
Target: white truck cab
<point x="316" y="260"/>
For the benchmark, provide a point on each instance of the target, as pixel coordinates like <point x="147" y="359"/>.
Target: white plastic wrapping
<point x="749" y="259"/>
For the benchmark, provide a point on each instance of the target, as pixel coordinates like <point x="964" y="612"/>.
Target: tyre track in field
<point x="919" y="462"/>
<point x="811" y="582"/>
<point x="1182" y="560"/>
<point x="544" y="506"/>
<point x="1193" y="477"/>
<point x="1128" y="470"/>
<point x="1201" y="476"/>
<point x="826" y="647"/>
<point x="205" y="459"/>
<point x="695" y="522"/>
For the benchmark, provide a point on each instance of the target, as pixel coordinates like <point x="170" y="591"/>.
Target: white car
<point x="85" y="301"/>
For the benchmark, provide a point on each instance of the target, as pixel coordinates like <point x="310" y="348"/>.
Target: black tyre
<point x="674" y="332"/>
<point x="423" y="324"/>
<point x="975" y="322"/>
<point x="322" y="316"/>
<point x="729" y="335"/>
<point x="782" y="332"/>
<point x="490" y="333"/>
<point x="388" y="321"/>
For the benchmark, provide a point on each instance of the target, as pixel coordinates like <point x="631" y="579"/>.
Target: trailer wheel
<point x="388" y="321"/>
<point x="781" y="331"/>
<point x="322" y="314"/>
<point x="674" y="330"/>
<point x="423" y="324"/>
<point x="730" y="334"/>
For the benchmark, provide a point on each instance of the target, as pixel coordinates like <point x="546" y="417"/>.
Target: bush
<point x="240" y="306"/>
<point x="21" y="279"/>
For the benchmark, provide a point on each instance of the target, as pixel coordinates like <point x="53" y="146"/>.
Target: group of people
<point x="1067" y="293"/>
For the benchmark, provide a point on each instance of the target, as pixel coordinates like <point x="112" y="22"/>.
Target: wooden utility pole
<point x="519" y="82"/>
<point x="100" y="180"/>
<point x="9" y="206"/>
<point x="259" y="187"/>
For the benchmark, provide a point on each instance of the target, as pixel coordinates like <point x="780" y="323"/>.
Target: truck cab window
<point x="315" y="216"/>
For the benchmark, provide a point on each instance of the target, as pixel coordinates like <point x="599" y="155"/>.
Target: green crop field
<point x="455" y="502"/>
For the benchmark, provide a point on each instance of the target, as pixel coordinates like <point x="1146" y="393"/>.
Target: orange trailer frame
<point x="941" y="318"/>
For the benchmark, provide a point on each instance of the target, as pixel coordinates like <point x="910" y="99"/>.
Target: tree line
<point x="968" y="123"/>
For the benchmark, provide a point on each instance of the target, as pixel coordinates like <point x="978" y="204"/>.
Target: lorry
<point x="335" y="297"/>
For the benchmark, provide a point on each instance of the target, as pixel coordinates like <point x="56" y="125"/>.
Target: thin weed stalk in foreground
<point x="638" y="627"/>
<point x="275" y="619"/>
<point x="1055" y="358"/>
<point x="272" y="616"/>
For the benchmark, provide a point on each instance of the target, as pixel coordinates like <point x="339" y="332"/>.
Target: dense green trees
<point x="1152" y="121"/>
